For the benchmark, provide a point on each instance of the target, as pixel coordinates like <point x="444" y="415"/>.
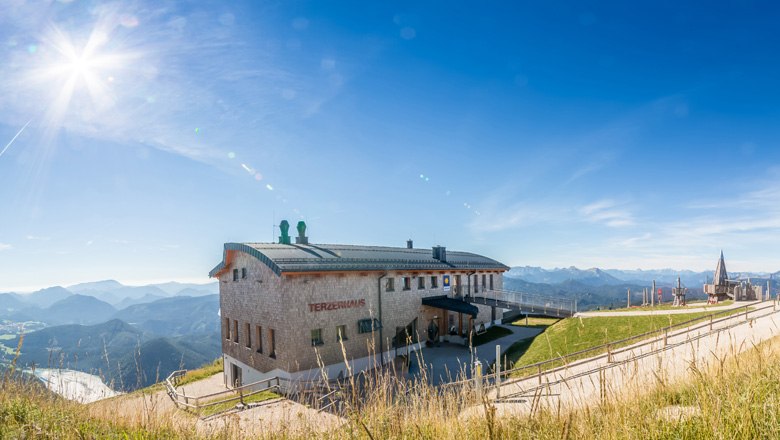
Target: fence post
<point x="666" y="337"/>
<point x="539" y="375"/>
<point x="609" y="353"/>
<point x="711" y="322"/>
<point x="478" y="378"/>
<point x="498" y="371"/>
<point x="746" y="313"/>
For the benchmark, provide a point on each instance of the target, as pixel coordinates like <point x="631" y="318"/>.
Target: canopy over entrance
<point x="455" y="305"/>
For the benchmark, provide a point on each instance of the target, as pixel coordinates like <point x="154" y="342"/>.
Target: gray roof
<point x="339" y="257"/>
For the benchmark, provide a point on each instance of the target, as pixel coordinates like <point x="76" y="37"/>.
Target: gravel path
<point x="579" y="386"/>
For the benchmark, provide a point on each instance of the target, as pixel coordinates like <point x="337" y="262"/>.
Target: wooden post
<point x="666" y="337"/>
<point x="628" y="299"/>
<point x="609" y="353"/>
<point x="539" y="367"/>
<point x="710" y="322"/>
<point x="498" y="371"/>
<point x="746" y="313"/>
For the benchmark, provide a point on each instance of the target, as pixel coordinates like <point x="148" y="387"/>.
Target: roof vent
<point x="285" y="237"/>
<point x="409" y="244"/>
<point x="440" y="253"/>
<point x="301" y="238"/>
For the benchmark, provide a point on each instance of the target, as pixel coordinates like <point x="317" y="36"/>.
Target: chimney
<point x="440" y="253"/>
<point x="409" y="244"/>
<point x="301" y="238"/>
<point x="285" y="237"/>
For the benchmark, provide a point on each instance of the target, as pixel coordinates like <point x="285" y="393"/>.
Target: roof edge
<point x="240" y="247"/>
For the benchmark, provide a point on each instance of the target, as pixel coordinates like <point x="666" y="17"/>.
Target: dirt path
<point x="579" y="385"/>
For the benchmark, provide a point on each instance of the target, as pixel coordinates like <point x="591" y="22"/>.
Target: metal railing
<point x="572" y="360"/>
<point x="319" y="393"/>
<point x="526" y="302"/>
<point x="739" y="318"/>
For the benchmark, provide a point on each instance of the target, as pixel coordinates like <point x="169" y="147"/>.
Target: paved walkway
<point x="677" y="311"/>
<point x="647" y="366"/>
<point x="451" y="362"/>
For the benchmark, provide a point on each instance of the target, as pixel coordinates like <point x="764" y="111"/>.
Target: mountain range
<point x="131" y="336"/>
<point x="614" y="277"/>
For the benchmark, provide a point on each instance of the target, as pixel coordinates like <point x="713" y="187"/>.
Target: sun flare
<point x="79" y="76"/>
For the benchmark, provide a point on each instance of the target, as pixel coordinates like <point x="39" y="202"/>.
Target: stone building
<point x="287" y="308"/>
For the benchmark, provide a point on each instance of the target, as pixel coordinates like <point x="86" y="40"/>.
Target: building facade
<point x="296" y="310"/>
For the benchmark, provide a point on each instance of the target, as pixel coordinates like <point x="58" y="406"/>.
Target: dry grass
<point x="737" y="398"/>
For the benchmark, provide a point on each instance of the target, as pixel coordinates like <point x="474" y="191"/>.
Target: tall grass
<point x="739" y="397"/>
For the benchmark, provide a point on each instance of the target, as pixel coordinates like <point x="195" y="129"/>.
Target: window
<point x="491" y="281"/>
<point x="243" y="273"/>
<point x="272" y="334"/>
<point x="248" y="332"/>
<point x="389" y="285"/>
<point x="368" y="325"/>
<point x="341" y="333"/>
<point x="476" y="283"/>
<point x="235" y="274"/>
<point x="316" y="337"/>
<point x="420" y="283"/>
<point x="259" y="339"/>
<point x="483" y="282"/>
<point x="407" y="283"/>
<point x="235" y="330"/>
<point x="226" y="328"/>
<point x="434" y="282"/>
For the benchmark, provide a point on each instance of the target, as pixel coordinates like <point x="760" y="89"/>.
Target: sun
<point x="79" y="75"/>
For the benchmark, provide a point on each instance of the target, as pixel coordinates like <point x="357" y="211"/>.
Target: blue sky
<point x="138" y="137"/>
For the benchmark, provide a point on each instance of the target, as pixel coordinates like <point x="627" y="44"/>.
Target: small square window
<point x="341" y="333"/>
<point x="407" y="283"/>
<point x="368" y="325"/>
<point x="389" y="285"/>
<point x="420" y="283"/>
<point x="316" y="337"/>
<point x="434" y="282"/>
<point x="243" y="273"/>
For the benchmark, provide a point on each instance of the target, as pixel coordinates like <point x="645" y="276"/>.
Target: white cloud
<point x="607" y="212"/>
<point x="37" y="237"/>
<point x="5" y="246"/>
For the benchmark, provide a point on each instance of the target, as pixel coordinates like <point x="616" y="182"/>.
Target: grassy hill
<point x="572" y="335"/>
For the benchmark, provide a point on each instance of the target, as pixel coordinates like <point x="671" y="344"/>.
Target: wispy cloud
<point x="163" y="65"/>
<point x="607" y="212"/>
<point x="37" y="237"/>
<point x="5" y="246"/>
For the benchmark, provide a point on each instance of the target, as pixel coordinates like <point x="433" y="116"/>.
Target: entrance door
<point x="235" y="371"/>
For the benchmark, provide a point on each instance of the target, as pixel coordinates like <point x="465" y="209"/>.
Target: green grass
<point x="490" y="334"/>
<point x="577" y="334"/>
<point x="535" y="322"/>
<point x="669" y="306"/>
<point x="225" y="406"/>
<point x="201" y="373"/>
